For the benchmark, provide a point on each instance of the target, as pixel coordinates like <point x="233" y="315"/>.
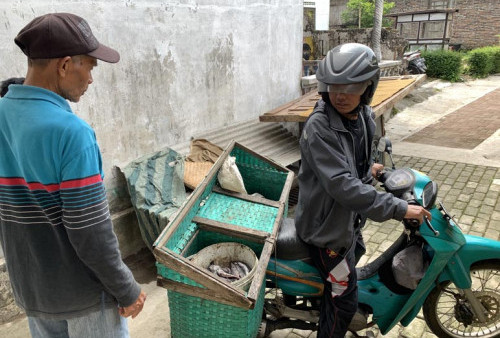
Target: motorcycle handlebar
<point x="381" y="176"/>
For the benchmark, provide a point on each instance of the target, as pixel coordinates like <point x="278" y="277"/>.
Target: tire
<point x="441" y="314"/>
<point x="414" y="69"/>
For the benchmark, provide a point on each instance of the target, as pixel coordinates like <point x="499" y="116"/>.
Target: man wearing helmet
<point x="336" y="195"/>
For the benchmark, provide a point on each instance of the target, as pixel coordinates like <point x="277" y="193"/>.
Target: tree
<point x="377" y="28"/>
<point x="360" y="13"/>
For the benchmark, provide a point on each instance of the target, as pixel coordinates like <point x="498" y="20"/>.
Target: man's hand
<point x="134" y="309"/>
<point x="417" y="212"/>
<point x="377" y="169"/>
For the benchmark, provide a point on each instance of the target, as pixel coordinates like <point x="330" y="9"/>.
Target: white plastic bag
<point x="229" y="176"/>
<point x="408" y="266"/>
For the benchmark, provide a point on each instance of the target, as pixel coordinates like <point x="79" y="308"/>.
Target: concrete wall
<point x="392" y="45"/>
<point x="187" y="66"/>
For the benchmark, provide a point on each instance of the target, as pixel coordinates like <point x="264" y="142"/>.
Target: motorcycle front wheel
<point x="448" y="314"/>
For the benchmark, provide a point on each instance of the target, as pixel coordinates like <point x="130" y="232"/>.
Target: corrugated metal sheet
<point x="268" y="139"/>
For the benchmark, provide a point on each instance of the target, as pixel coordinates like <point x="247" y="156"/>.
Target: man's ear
<point x="63" y="65"/>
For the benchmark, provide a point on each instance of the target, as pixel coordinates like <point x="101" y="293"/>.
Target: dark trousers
<point x="340" y="295"/>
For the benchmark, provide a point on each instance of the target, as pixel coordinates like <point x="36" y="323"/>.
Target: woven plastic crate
<point x="259" y="175"/>
<point x="213" y="319"/>
<point x="201" y="306"/>
<point x="194" y="317"/>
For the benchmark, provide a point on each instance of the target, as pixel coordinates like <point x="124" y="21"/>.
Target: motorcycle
<point x="459" y="291"/>
<point x="415" y="64"/>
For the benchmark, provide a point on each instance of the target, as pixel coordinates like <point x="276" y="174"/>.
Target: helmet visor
<point x="352" y="88"/>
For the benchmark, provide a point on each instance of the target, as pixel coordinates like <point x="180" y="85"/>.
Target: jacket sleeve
<point x="323" y="150"/>
<point x="89" y="228"/>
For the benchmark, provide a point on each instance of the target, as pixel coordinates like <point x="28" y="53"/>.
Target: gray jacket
<point x="330" y="191"/>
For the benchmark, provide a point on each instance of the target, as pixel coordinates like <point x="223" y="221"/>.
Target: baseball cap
<point x="57" y="35"/>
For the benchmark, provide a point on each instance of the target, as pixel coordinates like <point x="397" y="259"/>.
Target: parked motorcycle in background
<point x="415" y="64"/>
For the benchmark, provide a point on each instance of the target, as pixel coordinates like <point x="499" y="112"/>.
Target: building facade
<point x="471" y="23"/>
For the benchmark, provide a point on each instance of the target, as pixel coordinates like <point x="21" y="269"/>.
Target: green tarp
<point x="156" y="187"/>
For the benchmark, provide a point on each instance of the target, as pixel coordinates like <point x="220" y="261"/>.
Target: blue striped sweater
<point x="55" y="229"/>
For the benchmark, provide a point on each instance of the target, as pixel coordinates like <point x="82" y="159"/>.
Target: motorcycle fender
<point x="406" y="320"/>
<point x="458" y="268"/>
<point x="474" y="250"/>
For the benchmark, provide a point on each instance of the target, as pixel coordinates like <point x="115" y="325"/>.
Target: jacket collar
<point x="334" y="117"/>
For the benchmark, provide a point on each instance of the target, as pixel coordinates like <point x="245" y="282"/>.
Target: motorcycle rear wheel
<point x="445" y="316"/>
<point x="412" y="69"/>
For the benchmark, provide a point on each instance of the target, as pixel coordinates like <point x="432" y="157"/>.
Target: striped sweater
<point x="55" y="230"/>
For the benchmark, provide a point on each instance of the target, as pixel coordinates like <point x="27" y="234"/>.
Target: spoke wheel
<point x="448" y="314"/>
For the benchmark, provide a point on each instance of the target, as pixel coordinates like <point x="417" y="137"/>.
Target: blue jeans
<point x="106" y="323"/>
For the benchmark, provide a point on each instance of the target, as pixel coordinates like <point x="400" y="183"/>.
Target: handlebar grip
<point x="381" y="176"/>
<point x="414" y="223"/>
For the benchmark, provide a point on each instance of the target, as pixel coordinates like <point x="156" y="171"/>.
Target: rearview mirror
<point x="381" y="144"/>
<point x="385" y="146"/>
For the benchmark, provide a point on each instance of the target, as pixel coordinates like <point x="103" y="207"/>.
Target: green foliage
<point x="483" y="61"/>
<point x="446" y="65"/>
<point x="351" y="16"/>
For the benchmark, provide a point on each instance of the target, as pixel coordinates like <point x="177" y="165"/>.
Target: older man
<point x="61" y="252"/>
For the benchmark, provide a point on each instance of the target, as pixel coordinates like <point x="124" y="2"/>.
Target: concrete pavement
<point x="469" y="186"/>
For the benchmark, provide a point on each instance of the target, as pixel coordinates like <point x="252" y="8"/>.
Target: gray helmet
<point x="350" y="63"/>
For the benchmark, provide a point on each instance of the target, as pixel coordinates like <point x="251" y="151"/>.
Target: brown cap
<point x="57" y="35"/>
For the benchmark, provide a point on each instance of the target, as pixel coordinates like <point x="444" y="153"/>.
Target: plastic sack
<point x="229" y="176"/>
<point x="408" y="266"/>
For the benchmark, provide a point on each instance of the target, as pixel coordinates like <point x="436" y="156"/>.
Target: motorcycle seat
<point x="288" y="245"/>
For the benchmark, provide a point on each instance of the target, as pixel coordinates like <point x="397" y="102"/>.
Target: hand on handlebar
<point x="377" y="169"/>
<point x="417" y="212"/>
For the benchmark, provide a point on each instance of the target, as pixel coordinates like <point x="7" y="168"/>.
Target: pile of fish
<point x="235" y="271"/>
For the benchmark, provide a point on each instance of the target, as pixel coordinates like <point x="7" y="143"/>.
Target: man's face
<point x="346" y="97"/>
<point x="78" y="77"/>
<point x="345" y="103"/>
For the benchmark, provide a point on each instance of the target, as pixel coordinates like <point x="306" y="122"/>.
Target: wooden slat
<point x="390" y="102"/>
<point x="231" y="229"/>
<point x="254" y="290"/>
<point x="217" y="287"/>
<point x="246" y="197"/>
<point x="300" y="109"/>
<point x="194" y="291"/>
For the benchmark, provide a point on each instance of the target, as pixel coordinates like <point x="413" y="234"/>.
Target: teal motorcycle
<point x="458" y="291"/>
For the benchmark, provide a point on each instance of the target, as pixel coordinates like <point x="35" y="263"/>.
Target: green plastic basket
<point x="194" y="317"/>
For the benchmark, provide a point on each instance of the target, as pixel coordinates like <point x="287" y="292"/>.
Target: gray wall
<point x="187" y="66"/>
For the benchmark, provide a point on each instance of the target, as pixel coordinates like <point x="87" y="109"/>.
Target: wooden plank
<point x="202" y="276"/>
<point x="231" y="230"/>
<point x="246" y="197"/>
<point x="389" y="103"/>
<point x="194" y="291"/>
<point x="300" y="109"/>
<point x="258" y="279"/>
